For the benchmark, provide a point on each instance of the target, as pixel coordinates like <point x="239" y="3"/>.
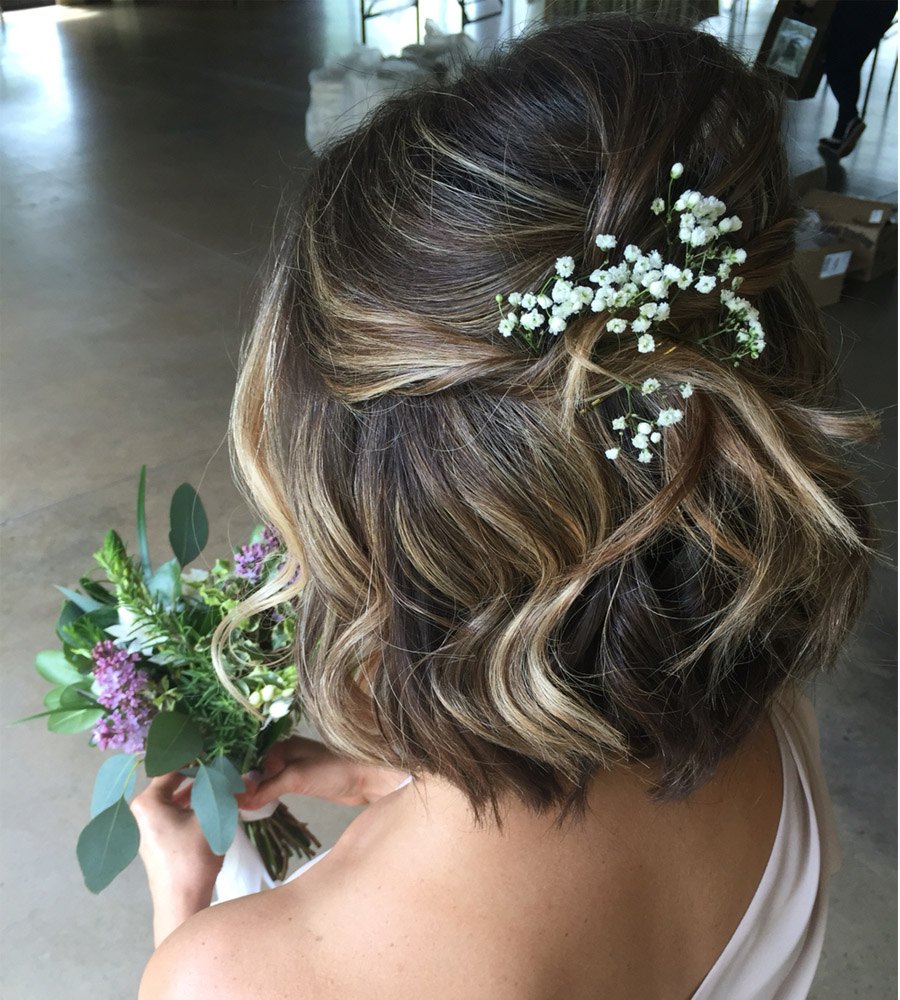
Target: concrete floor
<point x="144" y="152"/>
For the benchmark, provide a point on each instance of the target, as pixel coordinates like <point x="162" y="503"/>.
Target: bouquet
<point x="135" y="668"/>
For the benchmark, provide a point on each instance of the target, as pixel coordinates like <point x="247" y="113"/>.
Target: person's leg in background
<point x="855" y="29"/>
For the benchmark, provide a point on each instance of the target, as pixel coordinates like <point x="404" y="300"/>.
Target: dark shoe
<point x="841" y="146"/>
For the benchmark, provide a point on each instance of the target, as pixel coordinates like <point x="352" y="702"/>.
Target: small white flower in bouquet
<point x="136" y="670"/>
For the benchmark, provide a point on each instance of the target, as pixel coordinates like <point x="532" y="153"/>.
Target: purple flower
<point x="251" y="559"/>
<point x="121" y="686"/>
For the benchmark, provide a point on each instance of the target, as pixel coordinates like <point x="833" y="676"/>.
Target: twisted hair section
<point x="482" y="595"/>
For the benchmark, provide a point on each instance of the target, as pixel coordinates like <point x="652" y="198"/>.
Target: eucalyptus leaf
<point x="188" y="525"/>
<point x="114" y="781"/>
<point x="74" y="720"/>
<point x="53" y="666"/>
<point x="172" y="742"/>
<point x="143" y="547"/>
<point x="107" y="845"/>
<point x="228" y="771"/>
<point x="214" y="803"/>
<point x="165" y="584"/>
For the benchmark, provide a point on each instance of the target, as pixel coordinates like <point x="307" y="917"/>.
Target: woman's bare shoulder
<point x="240" y="950"/>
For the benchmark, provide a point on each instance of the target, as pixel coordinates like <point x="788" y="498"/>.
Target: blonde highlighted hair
<point x="482" y="595"/>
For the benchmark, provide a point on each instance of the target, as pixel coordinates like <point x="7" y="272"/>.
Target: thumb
<point x="261" y="794"/>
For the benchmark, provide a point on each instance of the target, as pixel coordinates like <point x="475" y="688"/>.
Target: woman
<point x="566" y="566"/>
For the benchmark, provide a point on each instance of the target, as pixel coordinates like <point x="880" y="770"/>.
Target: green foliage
<point x="83" y="601"/>
<point x="74" y="720"/>
<point x="229" y="772"/>
<point x="70" y="612"/>
<point x="121" y="571"/>
<point x="212" y="799"/>
<point x="107" y="845"/>
<point x="83" y="632"/>
<point x="165" y="584"/>
<point x="173" y="740"/>
<point x="188" y="525"/>
<point x="114" y="781"/>
<point x="53" y="666"/>
<point x="143" y="547"/>
<point x="96" y="590"/>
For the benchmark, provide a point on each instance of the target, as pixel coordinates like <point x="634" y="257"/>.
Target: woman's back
<point x="638" y="901"/>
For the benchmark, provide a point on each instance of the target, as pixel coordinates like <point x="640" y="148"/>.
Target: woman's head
<point x="483" y="594"/>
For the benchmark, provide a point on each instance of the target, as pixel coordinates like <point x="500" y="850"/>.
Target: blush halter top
<point x="774" y="952"/>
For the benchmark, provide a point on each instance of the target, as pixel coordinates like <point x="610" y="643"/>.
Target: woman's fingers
<point x="268" y="790"/>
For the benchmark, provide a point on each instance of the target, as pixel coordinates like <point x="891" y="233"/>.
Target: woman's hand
<point x="307" y="767"/>
<point x="181" y="868"/>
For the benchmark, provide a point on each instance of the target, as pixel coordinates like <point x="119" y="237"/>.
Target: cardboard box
<point x="823" y="269"/>
<point x="809" y="179"/>
<point x="870" y="227"/>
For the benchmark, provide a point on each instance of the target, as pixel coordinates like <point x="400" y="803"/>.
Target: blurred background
<point x="146" y="148"/>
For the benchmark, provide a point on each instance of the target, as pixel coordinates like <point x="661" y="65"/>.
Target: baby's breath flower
<point x="583" y="294"/>
<point x="561" y="291"/>
<point x="671" y="272"/>
<point x="565" y="267"/>
<point x="676" y="171"/>
<point x="616" y="326"/>
<point x="544" y="301"/>
<point x="645" y="456"/>
<point x="730" y="225"/>
<point x="612" y="453"/>
<point x="505" y="327"/>
<point x="605" y="241"/>
<point x="657" y="206"/>
<point x="655" y="437"/>
<point x="740" y="256"/>
<point x="532" y="320"/>
<point x="529" y="301"/>
<point x="557" y="324"/>
<point x="724" y="271"/>
<point x="649" y="309"/>
<point x="646" y="344"/>
<point x="640" y="440"/>
<point x="668" y="417"/>
<point x="662" y="311"/>
<point x="598" y="276"/>
<point x="599" y="303"/>
<point x="618" y="424"/>
<point x="685" y="278"/>
<point x="515" y="299"/>
<point x="658" y="289"/>
<point x="632" y="253"/>
<point x="686" y="389"/>
<point x="644" y="428"/>
<point x="706" y="283"/>
<point x="649" y="385"/>
<point x="640" y="325"/>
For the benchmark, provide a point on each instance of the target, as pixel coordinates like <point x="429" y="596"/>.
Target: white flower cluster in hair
<point x="641" y="285"/>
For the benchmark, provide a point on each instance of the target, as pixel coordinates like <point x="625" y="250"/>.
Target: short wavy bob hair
<point x="482" y="595"/>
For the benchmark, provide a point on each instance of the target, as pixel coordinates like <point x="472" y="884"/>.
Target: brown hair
<point x="483" y="595"/>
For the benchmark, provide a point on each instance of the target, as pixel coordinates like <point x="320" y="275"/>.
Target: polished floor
<point x="145" y="150"/>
